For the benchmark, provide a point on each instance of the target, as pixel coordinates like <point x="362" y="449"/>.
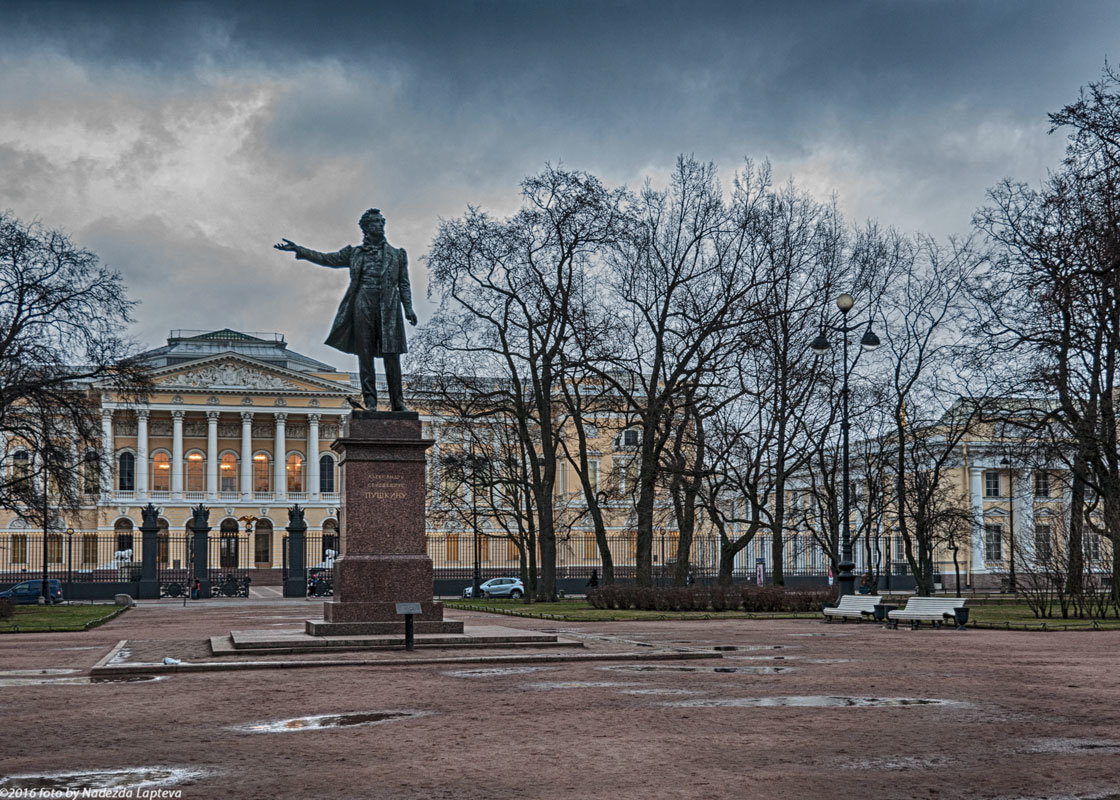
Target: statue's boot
<point x="393" y="378"/>
<point x="370" y="402"/>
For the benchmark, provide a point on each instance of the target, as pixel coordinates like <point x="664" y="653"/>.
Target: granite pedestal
<point x="384" y="559"/>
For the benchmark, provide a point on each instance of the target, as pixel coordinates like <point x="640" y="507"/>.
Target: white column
<point x="177" y="455"/>
<point x="280" y="455"/>
<point x="212" y="455"/>
<point x="246" y="455"/>
<point x="313" y="457"/>
<point x="142" y="454"/>
<point x="976" y="490"/>
<point x="106" y="451"/>
<point x="1023" y="497"/>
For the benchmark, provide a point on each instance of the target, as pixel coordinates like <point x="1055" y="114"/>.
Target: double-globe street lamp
<point x="846" y="579"/>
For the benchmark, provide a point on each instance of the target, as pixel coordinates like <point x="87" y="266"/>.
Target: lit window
<point x="262" y="475"/>
<point x="161" y="472"/>
<point x="227" y="473"/>
<point x="195" y="473"/>
<point x="295" y="473"/>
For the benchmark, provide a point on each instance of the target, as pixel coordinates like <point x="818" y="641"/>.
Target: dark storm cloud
<point x="227" y="126"/>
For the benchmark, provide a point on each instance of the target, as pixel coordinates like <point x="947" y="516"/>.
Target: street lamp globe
<point x="869" y="341"/>
<point x="819" y="345"/>
<point x="845" y="302"/>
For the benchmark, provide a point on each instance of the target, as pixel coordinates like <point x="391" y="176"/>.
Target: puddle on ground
<point x="72" y="782"/>
<point x="494" y="672"/>
<point x="811" y="701"/>
<point x="577" y="685"/>
<point x="329" y="721"/>
<point x="1067" y="746"/>
<point x="669" y="668"/>
<point x="899" y="763"/>
<point x="668" y="692"/>
<point x="8" y="682"/>
<point x="13" y="673"/>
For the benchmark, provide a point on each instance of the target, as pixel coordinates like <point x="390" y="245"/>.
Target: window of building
<point x="262" y="474"/>
<point x="512" y="553"/>
<point x="163" y="543"/>
<point x="1042" y="484"/>
<point x="483" y="548"/>
<point x="227" y="473"/>
<point x="21" y="465"/>
<point x="54" y="548"/>
<point x="196" y="472"/>
<point x="590" y="547"/>
<point x="19" y="548"/>
<point x="993" y="542"/>
<point x="123" y="528"/>
<point x="899" y="549"/>
<point x="262" y="542"/>
<point x="126" y="472"/>
<point x="331" y="543"/>
<point x="326" y="474"/>
<point x="295" y="472"/>
<point x="630" y="438"/>
<point x="593" y="475"/>
<point x="89" y="548"/>
<point x="992" y="484"/>
<point x="452" y="547"/>
<point x="161" y="472"/>
<point x="1092" y="548"/>
<point x="91" y="475"/>
<point x="1043" y="543"/>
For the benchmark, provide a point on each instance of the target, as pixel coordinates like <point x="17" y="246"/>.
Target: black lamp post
<point x="846" y="580"/>
<point x="1006" y="464"/>
<point x="70" y="563"/>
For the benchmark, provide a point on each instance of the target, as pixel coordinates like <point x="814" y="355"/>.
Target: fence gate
<point x="229" y="562"/>
<point x="173" y="564"/>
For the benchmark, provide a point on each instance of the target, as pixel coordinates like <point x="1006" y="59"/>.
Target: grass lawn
<point x="1017" y="616"/>
<point x="36" y="619"/>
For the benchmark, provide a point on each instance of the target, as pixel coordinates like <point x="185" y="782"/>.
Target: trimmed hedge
<point x="710" y="598"/>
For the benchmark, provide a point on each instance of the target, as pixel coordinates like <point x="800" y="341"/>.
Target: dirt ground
<point x="1026" y="715"/>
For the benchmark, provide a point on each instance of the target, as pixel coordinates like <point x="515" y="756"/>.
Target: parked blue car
<point x="27" y="593"/>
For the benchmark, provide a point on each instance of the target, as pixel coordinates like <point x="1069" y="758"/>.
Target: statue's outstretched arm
<point x="335" y="260"/>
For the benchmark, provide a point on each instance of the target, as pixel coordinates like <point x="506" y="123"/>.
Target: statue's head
<point x="372" y="222"/>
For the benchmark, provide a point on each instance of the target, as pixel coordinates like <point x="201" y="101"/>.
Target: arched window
<point x="123" y="529"/>
<point x="330" y="538"/>
<point x="196" y="469"/>
<point x="126" y="472"/>
<point x="295" y="472"/>
<point x="262" y="475"/>
<point x="228" y="543"/>
<point x="161" y="472"/>
<point x="163" y="542"/>
<point x="326" y="474"/>
<point x="262" y="543"/>
<point x="227" y="473"/>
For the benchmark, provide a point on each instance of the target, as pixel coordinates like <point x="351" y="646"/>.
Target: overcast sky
<point x="179" y="142"/>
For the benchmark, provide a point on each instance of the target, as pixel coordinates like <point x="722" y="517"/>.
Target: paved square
<point x="797" y="709"/>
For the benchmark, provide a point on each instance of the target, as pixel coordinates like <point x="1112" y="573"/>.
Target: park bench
<point x="856" y="606"/>
<point x="932" y="609"/>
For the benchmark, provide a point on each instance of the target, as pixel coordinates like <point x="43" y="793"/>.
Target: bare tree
<point x="508" y="292"/>
<point x="63" y="318"/>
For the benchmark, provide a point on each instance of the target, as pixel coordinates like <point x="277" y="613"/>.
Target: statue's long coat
<point x="395" y="293"/>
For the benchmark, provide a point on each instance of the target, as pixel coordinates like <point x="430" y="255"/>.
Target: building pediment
<point x="229" y="372"/>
